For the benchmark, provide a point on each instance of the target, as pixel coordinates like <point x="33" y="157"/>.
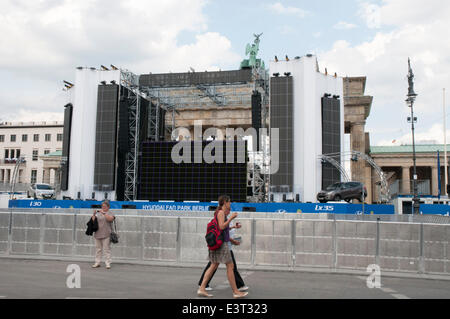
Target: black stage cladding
<point x="331" y="138"/>
<point x="196" y="178"/>
<point x="195" y="78"/>
<point x="68" y="110"/>
<point x="282" y="117"/>
<point x="123" y="142"/>
<point x="256" y="114"/>
<point x="105" y="137"/>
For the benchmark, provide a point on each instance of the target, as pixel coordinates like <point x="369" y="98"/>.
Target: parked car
<point x="44" y="191"/>
<point x="342" y="191"/>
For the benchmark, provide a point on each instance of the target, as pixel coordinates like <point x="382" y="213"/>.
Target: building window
<point x="12" y="153"/>
<point x="46" y="152"/>
<point x="2" y="138"/>
<point x="59" y="137"/>
<point x="13" y="138"/>
<point x="24" y="137"/>
<point x="48" y="137"/>
<point x="35" y="155"/>
<point x="36" y="137"/>
<point x="33" y="176"/>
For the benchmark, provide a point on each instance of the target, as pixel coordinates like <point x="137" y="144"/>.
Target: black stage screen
<point x="331" y="138"/>
<point x="105" y="137"/>
<point x="161" y="178"/>
<point x="282" y="117"/>
<point x="68" y="109"/>
<point x="256" y="114"/>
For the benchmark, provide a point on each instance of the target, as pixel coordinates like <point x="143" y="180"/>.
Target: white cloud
<point x="402" y="12"/>
<point x="279" y="8"/>
<point x="43" y="41"/>
<point x="201" y="55"/>
<point x="433" y="135"/>
<point x="371" y="14"/>
<point x="409" y="12"/>
<point x="342" y="25"/>
<point x="45" y="34"/>
<point x="26" y="116"/>
<point x="383" y="59"/>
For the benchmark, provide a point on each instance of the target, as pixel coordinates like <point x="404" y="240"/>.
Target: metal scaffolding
<point x="260" y="168"/>
<point x="130" y="82"/>
<point x="172" y="99"/>
<point x="201" y="95"/>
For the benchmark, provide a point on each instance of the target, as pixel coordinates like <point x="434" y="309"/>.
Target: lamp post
<point x="445" y="144"/>
<point x="411" y="97"/>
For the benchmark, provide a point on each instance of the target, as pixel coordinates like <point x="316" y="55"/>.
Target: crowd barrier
<point x="285" y="241"/>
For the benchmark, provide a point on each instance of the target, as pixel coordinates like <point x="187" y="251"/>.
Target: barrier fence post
<point x="8" y="248"/>
<point x="178" y="240"/>
<point x="42" y="234"/>
<point x="334" y="234"/>
<point x="377" y="243"/>
<point x="421" y="252"/>
<point x="293" y="240"/>
<point x="253" y="242"/>
<point x="142" y="253"/>
<point x="74" y="233"/>
<point x="445" y="255"/>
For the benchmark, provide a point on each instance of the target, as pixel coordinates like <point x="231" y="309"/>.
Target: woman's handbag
<point x="114" y="237"/>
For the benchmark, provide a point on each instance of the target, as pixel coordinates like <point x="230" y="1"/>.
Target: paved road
<point x="47" y="279"/>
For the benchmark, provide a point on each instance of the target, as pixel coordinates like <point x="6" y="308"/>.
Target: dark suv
<point x="342" y="191"/>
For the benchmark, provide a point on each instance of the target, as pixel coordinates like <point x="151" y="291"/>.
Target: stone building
<point x="397" y="163"/>
<point x="30" y="141"/>
<point x="357" y="108"/>
<point x="233" y="111"/>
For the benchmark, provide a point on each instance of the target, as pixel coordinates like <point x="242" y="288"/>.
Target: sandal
<point x="203" y="294"/>
<point x="240" y="295"/>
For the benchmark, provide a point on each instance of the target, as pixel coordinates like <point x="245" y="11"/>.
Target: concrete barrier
<point x="4" y="232"/>
<point x="272" y="243"/>
<point x="285" y="243"/>
<point x="314" y="243"/>
<point x="436" y="249"/>
<point x="400" y="247"/>
<point x="356" y="244"/>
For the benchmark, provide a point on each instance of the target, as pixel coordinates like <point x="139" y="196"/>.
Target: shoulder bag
<point x="114" y="237"/>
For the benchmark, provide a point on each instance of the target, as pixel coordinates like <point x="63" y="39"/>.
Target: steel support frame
<point x="260" y="180"/>
<point x="386" y="197"/>
<point x="130" y="82"/>
<point x="336" y="164"/>
<point x="158" y="98"/>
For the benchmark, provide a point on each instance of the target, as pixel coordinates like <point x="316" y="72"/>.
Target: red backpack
<point x="214" y="235"/>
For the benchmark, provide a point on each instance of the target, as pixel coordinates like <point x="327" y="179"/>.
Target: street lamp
<point x="411" y="97"/>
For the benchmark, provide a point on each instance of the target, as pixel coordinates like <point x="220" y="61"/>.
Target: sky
<point x="43" y="41"/>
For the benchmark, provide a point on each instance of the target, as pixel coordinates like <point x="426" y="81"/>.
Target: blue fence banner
<point x="336" y="208"/>
<point x="435" y="210"/>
